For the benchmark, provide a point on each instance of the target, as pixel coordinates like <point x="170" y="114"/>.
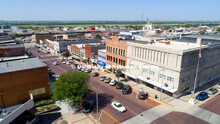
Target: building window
<point x="119" y="51"/>
<point x="152" y="72"/>
<point x="116" y="50"/>
<point x="146" y="70"/>
<point x="119" y="60"/>
<point x="163" y="76"/>
<point x="113" y="59"/>
<point x="137" y="68"/>
<point x="172" y="79"/>
<point x="113" y="50"/>
<point x="124" y="52"/>
<point x="116" y="60"/>
<point x="107" y="49"/>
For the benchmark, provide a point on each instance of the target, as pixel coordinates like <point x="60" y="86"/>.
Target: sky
<point x="110" y="10"/>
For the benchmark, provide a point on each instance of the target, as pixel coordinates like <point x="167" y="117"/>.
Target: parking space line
<point x="111" y="116"/>
<point x="80" y="120"/>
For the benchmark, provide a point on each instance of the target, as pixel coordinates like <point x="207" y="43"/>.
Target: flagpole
<point x="197" y="69"/>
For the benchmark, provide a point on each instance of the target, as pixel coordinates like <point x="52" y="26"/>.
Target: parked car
<point x="212" y="91"/>
<point x="64" y="61"/>
<point x="143" y="95"/>
<point x="102" y="78"/>
<point x="94" y="74"/>
<point x="79" y="68"/>
<point x="218" y="85"/>
<point x="48" y="52"/>
<point x="55" y="63"/>
<point x="88" y="106"/>
<point x="119" y="85"/>
<point x="68" y="62"/>
<point x="126" y="89"/>
<point x="87" y="71"/>
<point x="116" y="105"/>
<point x="113" y="82"/>
<point x="72" y="65"/>
<point x="83" y="69"/>
<point x="107" y="80"/>
<point x="202" y="96"/>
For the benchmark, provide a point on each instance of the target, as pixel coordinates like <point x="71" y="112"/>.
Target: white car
<point x="64" y="62"/>
<point x="218" y="85"/>
<point x="116" y="105"/>
<point x="68" y="63"/>
<point x="113" y="82"/>
<point x="87" y="71"/>
<point x="55" y="63"/>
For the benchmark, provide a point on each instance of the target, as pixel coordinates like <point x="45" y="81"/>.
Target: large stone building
<point x="19" y="78"/>
<point x="172" y="65"/>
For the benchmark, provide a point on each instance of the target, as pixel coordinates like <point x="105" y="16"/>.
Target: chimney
<point x="199" y="41"/>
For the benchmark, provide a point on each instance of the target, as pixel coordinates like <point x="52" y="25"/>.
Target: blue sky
<point x="109" y="9"/>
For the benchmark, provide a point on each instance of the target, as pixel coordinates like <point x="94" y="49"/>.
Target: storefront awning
<point x="108" y="66"/>
<point x="99" y="62"/>
<point x="155" y="83"/>
<point x="76" y="57"/>
<point x="129" y="74"/>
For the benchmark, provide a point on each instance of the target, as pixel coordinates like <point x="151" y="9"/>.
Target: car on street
<point x="55" y="63"/>
<point x="202" y="96"/>
<point x="94" y="74"/>
<point x="126" y="89"/>
<point x="142" y="95"/>
<point x="79" y="68"/>
<point x="212" y="91"/>
<point x="88" y="106"/>
<point x="107" y="80"/>
<point x="68" y="62"/>
<point x="83" y="69"/>
<point x="64" y="61"/>
<point x="113" y="82"/>
<point x="72" y="65"/>
<point x="102" y="78"/>
<point x="116" y="105"/>
<point x="87" y="70"/>
<point x="119" y="85"/>
<point x="218" y="85"/>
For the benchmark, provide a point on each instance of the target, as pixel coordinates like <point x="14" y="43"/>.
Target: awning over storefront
<point x="76" y="57"/>
<point x="129" y="74"/>
<point x="155" y="83"/>
<point x="101" y="56"/>
<point x="99" y="62"/>
<point x="108" y="66"/>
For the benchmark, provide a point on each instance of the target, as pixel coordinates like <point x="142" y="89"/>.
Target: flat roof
<point x="11" y="46"/>
<point x="21" y="64"/>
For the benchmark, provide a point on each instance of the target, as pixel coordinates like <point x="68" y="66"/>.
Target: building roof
<point x="21" y="64"/>
<point x="11" y="46"/>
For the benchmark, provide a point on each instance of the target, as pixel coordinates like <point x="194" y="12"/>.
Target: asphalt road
<point x="212" y="105"/>
<point x="108" y="94"/>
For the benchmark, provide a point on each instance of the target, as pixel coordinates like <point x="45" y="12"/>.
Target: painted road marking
<point x="80" y="120"/>
<point x="111" y="116"/>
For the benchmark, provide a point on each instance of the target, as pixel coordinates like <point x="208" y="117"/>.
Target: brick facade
<point x="7" y="52"/>
<point x="116" y="51"/>
<point x="16" y="86"/>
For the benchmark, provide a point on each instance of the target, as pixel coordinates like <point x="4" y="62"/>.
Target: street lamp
<point x="97" y="104"/>
<point x="1" y="94"/>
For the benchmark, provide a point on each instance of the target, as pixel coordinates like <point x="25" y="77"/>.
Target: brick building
<point x="116" y="51"/>
<point x="19" y="78"/>
<point x="92" y="49"/>
<point x="12" y="50"/>
<point x="41" y="37"/>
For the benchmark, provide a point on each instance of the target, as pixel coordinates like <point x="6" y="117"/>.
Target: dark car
<point x="143" y="95"/>
<point x="94" y="74"/>
<point x="119" y="85"/>
<point x="202" y="96"/>
<point x="126" y="89"/>
<point x="88" y="106"/>
<point x="102" y="78"/>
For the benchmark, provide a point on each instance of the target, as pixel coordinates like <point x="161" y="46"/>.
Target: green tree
<point x="218" y="29"/>
<point x="118" y="74"/>
<point x="66" y="54"/>
<point x="71" y="87"/>
<point x="98" y="37"/>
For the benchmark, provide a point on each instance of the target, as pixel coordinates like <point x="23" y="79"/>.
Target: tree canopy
<point x="66" y="54"/>
<point x="98" y="37"/>
<point x="218" y="29"/>
<point x="72" y="87"/>
<point x="118" y="74"/>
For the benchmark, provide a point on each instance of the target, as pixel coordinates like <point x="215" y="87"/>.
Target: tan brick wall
<point x="15" y="86"/>
<point x="116" y="43"/>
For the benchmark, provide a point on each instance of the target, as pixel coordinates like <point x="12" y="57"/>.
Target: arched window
<point x="124" y="52"/>
<point x="119" y="51"/>
<point x="113" y="50"/>
<point x="116" y="50"/>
